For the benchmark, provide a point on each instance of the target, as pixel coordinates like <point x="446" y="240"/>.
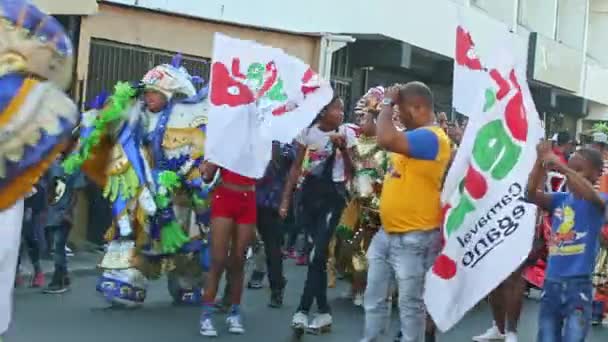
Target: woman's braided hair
<point x="323" y="110"/>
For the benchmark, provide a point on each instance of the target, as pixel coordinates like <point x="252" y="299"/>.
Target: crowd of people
<point x="365" y="196"/>
<point x="341" y="187"/>
<point x="47" y="222"/>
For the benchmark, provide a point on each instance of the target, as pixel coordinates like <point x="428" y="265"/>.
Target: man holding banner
<point x="409" y="240"/>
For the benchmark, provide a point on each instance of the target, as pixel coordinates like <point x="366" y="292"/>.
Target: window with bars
<point x="341" y="76"/>
<point x="112" y="62"/>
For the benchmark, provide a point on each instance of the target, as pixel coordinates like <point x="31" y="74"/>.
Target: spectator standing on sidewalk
<point x="409" y="239"/>
<point x="60" y="220"/>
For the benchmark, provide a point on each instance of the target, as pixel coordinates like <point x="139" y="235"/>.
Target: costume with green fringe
<point x="147" y="164"/>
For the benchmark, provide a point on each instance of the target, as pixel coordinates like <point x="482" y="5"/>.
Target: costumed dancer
<point x="144" y="146"/>
<point x="36" y="119"/>
<point x="360" y="219"/>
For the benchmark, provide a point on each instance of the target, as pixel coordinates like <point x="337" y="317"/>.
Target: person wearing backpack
<point x="330" y="147"/>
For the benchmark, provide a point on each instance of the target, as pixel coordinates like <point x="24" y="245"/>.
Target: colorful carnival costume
<point x="361" y="220"/>
<point x="148" y="165"/>
<point x="600" y="274"/>
<point x="36" y="119"/>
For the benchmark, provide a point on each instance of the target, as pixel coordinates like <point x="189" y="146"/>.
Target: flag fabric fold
<point x="488" y="227"/>
<point x="258" y="94"/>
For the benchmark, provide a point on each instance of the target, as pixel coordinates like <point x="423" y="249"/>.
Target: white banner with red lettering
<point x="488" y="228"/>
<point x="257" y="94"/>
<point x="469" y="70"/>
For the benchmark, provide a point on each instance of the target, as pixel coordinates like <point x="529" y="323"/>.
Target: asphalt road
<point x="80" y="316"/>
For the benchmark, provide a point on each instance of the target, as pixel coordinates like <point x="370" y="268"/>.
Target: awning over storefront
<point x="68" y="7"/>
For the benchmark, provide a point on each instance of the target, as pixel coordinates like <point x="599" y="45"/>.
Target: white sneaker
<point x="234" y="324"/>
<point x="358" y="300"/>
<point x="207" y="328"/>
<point x="511" y="336"/>
<point x="492" y="334"/>
<point x="321" y="324"/>
<point x="299" y="320"/>
<point x="347" y="294"/>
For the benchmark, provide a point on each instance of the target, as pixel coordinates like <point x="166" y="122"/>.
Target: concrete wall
<point x="571" y="22"/>
<point x="428" y="24"/>
<point x="538" y="16"/>
<point x="598" y="31"/>
<point x="503" y="10"/>
<point x="597" y="112"/>
<point x="67" y="7"/>
<point x="173" y="33"/>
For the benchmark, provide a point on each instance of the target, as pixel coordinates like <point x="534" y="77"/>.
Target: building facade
<point x="560" y="41"/>
<point x="357" y="44"/>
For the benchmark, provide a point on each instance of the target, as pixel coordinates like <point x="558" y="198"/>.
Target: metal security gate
<point x="341" y="76"/>
<point x="111" y="62"/>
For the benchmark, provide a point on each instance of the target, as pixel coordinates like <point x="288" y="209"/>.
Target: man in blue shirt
<point x="577" y="219"/>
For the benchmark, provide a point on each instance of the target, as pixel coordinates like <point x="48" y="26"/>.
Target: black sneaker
<point x="59" y="284"/>
<point x="257" y="281"/>
<point x="276" y="296"/>
<point x="276" y="299"/>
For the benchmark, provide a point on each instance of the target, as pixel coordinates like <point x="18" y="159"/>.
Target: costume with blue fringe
<point x="148" y="164"/>
<point x="36" y="119"/>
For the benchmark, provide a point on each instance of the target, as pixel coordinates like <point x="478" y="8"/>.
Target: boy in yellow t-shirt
<point x="409" y="210"/>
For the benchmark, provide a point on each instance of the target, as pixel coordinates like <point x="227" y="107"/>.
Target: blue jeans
<point x="565" y="310"/>
<point x="408" y="256"/>
<point x="60" y="235"/>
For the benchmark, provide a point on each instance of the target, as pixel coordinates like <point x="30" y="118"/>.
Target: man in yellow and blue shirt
<point x="410" y="210"/>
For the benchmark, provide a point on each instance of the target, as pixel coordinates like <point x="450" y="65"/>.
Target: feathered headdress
<point x="370" y="102"/>
<point x="37" y="116"/>
<point x="170" y="79"/>
<point x="33" y="42"/>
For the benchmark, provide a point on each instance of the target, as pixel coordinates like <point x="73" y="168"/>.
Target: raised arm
<point x="577" y="183"/>
<point x="535" y="192"/>
<point x="388" y="136"/>
<point x="346" y="144"/>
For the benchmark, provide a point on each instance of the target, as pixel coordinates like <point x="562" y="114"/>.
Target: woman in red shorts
<point x="233" y="221"/>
